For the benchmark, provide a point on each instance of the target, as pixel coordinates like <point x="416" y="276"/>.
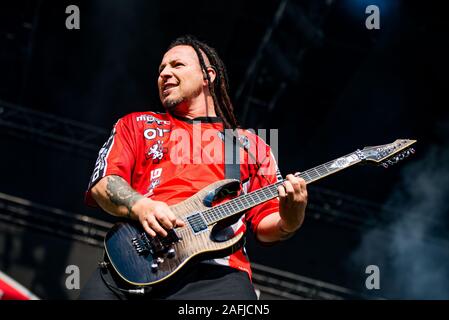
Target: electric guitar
<point x="143" y="261"/>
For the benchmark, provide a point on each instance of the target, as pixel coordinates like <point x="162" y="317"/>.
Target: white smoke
<point x="412" y="252"/>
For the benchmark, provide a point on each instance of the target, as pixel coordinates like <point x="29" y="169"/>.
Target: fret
<point x="305" y="176"/>
<point x="251" y="201"/>
<point x="328" y="168"/>
<point x="257" y="194"/>
<point x="207" y="217"/>
<point x="318" y="174"/>
<point x="239" y="203"/>
<point x="324" y="169"/>
<point x="262" y="194"/>
<point x="312" y="174"/>
<point x="270" y="192"/>
<point x="266" y="193"/>
<point x="232" y="204"/>
<point x="320" y="170"/>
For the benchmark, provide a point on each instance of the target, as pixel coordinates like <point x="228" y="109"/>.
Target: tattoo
<point x="121" y="194"/>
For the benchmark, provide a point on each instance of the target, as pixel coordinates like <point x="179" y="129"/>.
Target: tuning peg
<point x="385" y="165"/>
<point x="412" y="150"/>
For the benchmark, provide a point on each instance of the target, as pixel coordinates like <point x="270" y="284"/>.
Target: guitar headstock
<point x="388" y="154"/>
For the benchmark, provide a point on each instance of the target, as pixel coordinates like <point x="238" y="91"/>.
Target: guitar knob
<point x="154" y="267"/>
<point x="159" y="260"/>
<point x="171" y="253"/>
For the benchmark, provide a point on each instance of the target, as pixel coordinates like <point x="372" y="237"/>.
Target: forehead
<point x="180" y="53"/>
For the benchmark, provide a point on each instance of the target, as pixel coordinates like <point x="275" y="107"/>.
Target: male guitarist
<point x="154" y="160"/>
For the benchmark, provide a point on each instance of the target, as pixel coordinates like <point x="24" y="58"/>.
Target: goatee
<point x="170" y="104"/>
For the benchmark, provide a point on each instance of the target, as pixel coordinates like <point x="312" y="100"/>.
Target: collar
<point x="202" y="119"/>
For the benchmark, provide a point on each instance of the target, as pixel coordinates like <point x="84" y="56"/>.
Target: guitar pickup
<point x="197" y="222"/>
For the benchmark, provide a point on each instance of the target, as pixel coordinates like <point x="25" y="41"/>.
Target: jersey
<point x="169" y="158"/>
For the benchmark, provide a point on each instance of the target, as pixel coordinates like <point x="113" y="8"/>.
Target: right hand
<point x="155" y="217"/>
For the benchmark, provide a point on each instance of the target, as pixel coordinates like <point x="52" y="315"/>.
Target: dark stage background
<point x="310" y="69"/>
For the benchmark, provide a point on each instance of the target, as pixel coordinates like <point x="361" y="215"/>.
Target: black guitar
<point x="142" y="261"/>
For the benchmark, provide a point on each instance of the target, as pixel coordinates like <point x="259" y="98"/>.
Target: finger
<point x="303" y="187"/>
<point x="290" y="190"/>
<point x="281" y="191"/>
<point x="176" y="222"/>
<point x="295" y="182"/>
<point x="180" y="223"/>
<point x="152" y="222"/>
<point x="147" y="229"/>
<point x="171" y="216"/>
<point x="163" y="220"/>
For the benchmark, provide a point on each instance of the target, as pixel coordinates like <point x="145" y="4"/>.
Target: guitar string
<point x="267" y="192"/>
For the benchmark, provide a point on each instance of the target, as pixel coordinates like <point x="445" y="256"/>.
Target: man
<point x="144" y="168"/>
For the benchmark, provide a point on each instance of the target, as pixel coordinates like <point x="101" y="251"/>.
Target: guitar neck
<point x="254" y="198"/>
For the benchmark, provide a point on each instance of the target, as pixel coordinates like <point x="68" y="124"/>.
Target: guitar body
<point x="134" y="255"/>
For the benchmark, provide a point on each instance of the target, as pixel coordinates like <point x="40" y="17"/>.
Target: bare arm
<point x="114" y="195"/>
<point x="292" y="204"/>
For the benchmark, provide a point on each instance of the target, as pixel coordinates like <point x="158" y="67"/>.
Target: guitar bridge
<point x="142" y="244"/>
<point x="145" y="245"/>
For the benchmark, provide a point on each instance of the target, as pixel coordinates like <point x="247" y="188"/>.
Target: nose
<point x="165" y="73"/>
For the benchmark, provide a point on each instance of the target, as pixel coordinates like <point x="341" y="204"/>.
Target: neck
<point x="200" y="106"/>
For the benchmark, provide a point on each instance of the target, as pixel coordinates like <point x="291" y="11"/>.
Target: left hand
<point x="292" y="202"/>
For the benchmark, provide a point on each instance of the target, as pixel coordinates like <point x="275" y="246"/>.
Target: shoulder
<point x="144" y="120"/>
<point x="148" y="117"/>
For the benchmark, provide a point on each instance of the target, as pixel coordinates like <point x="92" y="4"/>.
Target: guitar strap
<point x="232" y="156"/>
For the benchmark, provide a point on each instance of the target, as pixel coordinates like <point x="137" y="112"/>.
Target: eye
<point x="178" y="64"/>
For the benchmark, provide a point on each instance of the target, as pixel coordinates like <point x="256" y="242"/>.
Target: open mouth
<point x="167" y="87"/>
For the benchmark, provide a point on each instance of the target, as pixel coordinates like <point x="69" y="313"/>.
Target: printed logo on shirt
<point x="157" y="152"/>
<point x="155" y="180"/>
<point x="101" y="163"/>
<point x="151" y="119"/>
<point x="153" y="133"/>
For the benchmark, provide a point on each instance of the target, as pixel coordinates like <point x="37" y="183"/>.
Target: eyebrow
<point x="169" y="62"/>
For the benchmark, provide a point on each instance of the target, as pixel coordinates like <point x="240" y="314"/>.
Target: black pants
<point x="200" y="282"/>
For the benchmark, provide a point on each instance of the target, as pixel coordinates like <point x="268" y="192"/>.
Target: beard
<point x="170" y="104"/>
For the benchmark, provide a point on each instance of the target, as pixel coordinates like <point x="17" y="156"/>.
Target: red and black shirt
<point x="169" y="159"/>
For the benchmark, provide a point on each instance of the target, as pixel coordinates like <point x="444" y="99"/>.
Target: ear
<point x="212" y="74"/>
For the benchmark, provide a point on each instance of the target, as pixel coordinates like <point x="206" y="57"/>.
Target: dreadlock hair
<point x="219" y="88"/>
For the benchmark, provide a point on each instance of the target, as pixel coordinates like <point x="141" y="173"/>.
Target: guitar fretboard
<point x="254" y="198"/>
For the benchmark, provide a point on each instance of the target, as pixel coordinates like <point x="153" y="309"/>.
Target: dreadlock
<point x="219" y="88"/>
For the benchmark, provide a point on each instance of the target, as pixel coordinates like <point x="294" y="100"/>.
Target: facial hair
<point x="171" y="104"/>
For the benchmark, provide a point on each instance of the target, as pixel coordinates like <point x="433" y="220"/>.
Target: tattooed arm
<point x="116" y="197"/>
